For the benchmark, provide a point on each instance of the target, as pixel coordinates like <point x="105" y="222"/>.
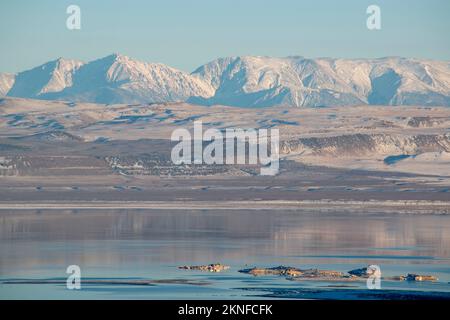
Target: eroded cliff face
<point x="367" y="145"/>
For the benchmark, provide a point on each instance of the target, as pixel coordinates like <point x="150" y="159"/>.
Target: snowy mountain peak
<point x="297" y="81"/>
<point x="115" y="78"/>
<point x="52" y="76"/>
<point x="246" y="81"/>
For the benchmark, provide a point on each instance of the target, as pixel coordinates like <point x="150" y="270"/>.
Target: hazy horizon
<point x="186" y="35"/>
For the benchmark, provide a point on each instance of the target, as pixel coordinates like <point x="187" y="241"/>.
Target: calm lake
<point x="151" y="244"/>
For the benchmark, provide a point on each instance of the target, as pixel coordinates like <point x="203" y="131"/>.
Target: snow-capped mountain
<point x="265" y="81"/>
<point x="51" y="77"/>
<point x="113" y="79"/>
<point x="247" y="81"/>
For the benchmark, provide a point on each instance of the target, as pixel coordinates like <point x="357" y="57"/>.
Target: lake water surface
<point x="151" y="244"/>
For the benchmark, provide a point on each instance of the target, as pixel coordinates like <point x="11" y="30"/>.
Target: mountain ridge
<point x="243" y="81"/>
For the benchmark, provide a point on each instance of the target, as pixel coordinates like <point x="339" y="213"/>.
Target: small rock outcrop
<point x="297" y="274"/>
<point x="215" y="267"/>
<point x="293" y="272"/>
<point x="417" y="277"/>
<point x="366" y="272"/>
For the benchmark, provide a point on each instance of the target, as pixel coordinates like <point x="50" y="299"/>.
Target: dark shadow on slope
<point x="384" y="88"/>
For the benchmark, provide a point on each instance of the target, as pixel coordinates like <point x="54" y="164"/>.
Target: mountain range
<point x="245" y="81"/>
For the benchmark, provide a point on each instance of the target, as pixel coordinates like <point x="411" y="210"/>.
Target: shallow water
<point x="151" y="244"/>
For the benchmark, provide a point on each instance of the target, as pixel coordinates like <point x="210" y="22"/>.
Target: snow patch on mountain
<point x="6" y="82"/>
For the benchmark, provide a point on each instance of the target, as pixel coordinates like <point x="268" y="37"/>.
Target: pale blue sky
<point x="187" y="33"/>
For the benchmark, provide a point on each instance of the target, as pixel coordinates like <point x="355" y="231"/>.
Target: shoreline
<point x="371" y="206"/>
